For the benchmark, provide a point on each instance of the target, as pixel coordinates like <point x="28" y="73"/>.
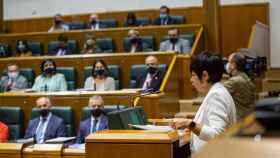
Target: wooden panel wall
<point x="237" y="22"/>
<point x="1" y="15"/>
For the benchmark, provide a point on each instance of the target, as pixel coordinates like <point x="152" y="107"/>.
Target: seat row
<point x="14" y="117"/>
<point x="111" y="22"/>
<point x="70" y="74"/>
<point x="106" y="45"/>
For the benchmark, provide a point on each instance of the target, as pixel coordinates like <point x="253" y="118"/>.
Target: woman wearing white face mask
<point x="13" y="81"/>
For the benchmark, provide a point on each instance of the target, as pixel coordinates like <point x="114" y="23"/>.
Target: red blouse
<point x="4" y="132"/>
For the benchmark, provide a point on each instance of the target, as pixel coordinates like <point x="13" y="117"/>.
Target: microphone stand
<point x="136" y="98"/>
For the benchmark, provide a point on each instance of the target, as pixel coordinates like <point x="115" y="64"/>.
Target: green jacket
<point x="242" y="90"/>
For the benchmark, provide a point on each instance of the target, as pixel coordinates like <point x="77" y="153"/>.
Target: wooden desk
<point x="10" y="150"/>
<point x="73" y="153"/>
<point x="240" y="148"/>
<point x="132" y="143"/>
<point x="43" y="151"/>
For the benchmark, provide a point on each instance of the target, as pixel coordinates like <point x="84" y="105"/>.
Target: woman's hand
<point x="181" y="123"/>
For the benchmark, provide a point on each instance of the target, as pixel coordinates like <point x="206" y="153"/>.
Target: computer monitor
<point x="121" y="119"/>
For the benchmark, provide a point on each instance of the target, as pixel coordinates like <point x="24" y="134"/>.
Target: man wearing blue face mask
<point x="164" y="17"/>
<point x="151" y="79"/>
<point x="13" y="81"/>
<point x="47" y="125"/>
<point x="96" y="122"/>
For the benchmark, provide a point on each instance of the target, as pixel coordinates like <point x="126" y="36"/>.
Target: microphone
<point x="143" y="93"/>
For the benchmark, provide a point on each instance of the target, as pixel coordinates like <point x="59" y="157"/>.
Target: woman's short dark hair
<point x="45" y="61"/>
<point x="105" y="68"/>
<point x="240" y="61"/>
<point x="209" y="62"/>
<point x="165" y="7"/>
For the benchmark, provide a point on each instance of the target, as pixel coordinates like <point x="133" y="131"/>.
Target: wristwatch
<point x="192" y="125"/>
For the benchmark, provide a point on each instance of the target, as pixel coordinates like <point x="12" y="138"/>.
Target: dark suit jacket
<point x="139" y="46"/>
<point x="156" y="81"/>
<point x="56" y="128"/>
<point x="101" y="26"/>
<point x="84" y="130"/>
<point x="170" y="21"/>
<point x="68" y="52"/>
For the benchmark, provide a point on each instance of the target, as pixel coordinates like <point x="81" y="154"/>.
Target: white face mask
<point x="228" y="68"/>
<point x="13" y="74"/>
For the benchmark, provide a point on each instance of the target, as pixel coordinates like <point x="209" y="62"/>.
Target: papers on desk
<point x="77" y="146"/>
<point x="26" y="141"/>
<point x="59" y="140"/>
<point x="152" y="127"/>
<point x="29" y="91"/>
<point x="85" y="89"/>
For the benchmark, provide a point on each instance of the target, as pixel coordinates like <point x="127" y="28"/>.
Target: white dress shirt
<point x="97" y="124"/>
<point x="147" y="82"/>
<point x="216" y="113"/>
<point x="41" y="139"/>
<point x="61" y="52"/>
<point x="95" y="27"/>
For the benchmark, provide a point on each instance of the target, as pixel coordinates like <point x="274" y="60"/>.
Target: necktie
<point x="93" y="129"/>
<point x="40" y="132"/>
<point x="173" y="46"/>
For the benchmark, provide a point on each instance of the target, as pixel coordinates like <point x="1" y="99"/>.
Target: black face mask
<point x="44" y="112"/>
<point x="131" y="21"/>
<point x="49" y="70"/>
<point x="58" y="22"/>
<point x="97" y="112"/>
<point x="134" y="40"/>
<point x="93" y="22"/>
<point x="100" y="72"/>
<point x="152" y="70"/>
<point x="173" y="40"/>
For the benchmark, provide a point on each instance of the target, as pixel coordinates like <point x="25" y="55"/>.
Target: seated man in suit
<point x="151" y="80"/>
<point x="164" y="17"/>
<point x="13" y="81"/>
<point x="62" y="48"/>
<point x="136" y="44"/>
<point x="175" y="43"/>
<point x="98" y="120"/>
<point x="95" y="23"/>
<point x="47" y="125"/>
<point x="58" y="24"/>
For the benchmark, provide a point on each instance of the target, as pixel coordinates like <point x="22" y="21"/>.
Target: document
<point x="59" y="140"/>
<point x="77" y="146"/>
<point x="152" y="127"/>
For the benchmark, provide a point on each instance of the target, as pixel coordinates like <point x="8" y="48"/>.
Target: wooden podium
<point x="43" y="150"/>
<point x="10" y="150"/>
<point x="132" y="143"/>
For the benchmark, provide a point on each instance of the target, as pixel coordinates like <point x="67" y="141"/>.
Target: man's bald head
<point x="151" y="61"/>
<point x="96" y="102"/>
<point x="43" y="103"/>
